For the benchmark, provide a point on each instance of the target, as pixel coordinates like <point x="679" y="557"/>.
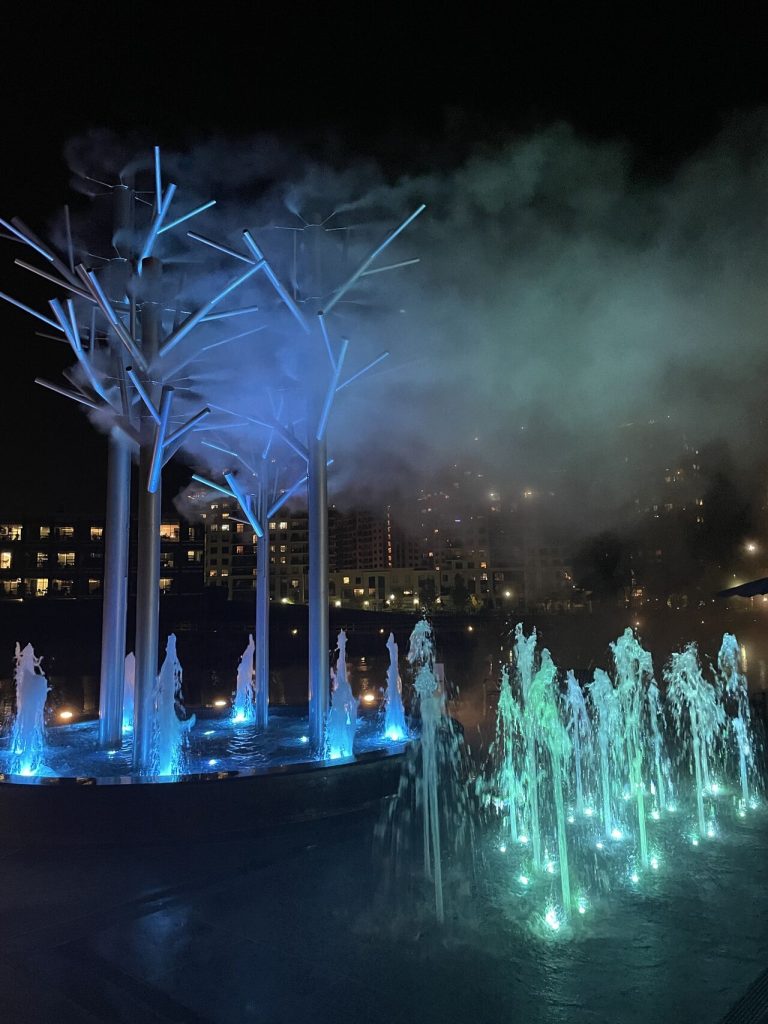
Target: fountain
<point x="342" y="716"/>
<point x="525" y="654"/>
<point x="244" y="706"/>
<point x="605" y="702"/>
<point x="503" y="753"/>
<point x="697" y="708"/>
<point x="734" y="682"/>
<point x="395" y="728"/>
<point x="129" y="690"/>
<point x="28" y="732"/>
<point x="169" y="733"/>
<point x="580" y="732"/>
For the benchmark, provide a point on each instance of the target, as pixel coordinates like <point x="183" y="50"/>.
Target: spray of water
<point x="342" y="716"/>
<point x="395" y="728"/>
<point x="28" y="732"/>
<point x="169" y="733"/>
<point x="244" y="706"/>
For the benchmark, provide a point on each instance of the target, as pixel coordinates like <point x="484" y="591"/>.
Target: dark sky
<point x="417" y="94"/>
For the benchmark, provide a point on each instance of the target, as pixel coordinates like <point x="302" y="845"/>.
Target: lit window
<point x="64" y="531"/>
<point x="211" y="572"/>
<point x="359" y="592"/>
<point x="283" y="549"/>
<point x="273" y="525"/>
<point x="5" y="559"/>
<point x="65" y="558"/>
<point x="194" y="556"/>
<point x="214" y="527"/>
<point x="283" y="526"/>
<point x="94" y="586"/>
<point x="225" y="572"/>
<point x="97" y="532"/>
<point x="225" y="526"/>
<point x="165" y="584"/>
<point x="9" y="586"/>
<point x="190" y="533"/>
<point x="240" y="549"/>
<point x="166" y="559"/>
<point x="45" y="532"/>
<point x="42" y="558"/>
<point x="346" y="579"/>
<point x="10" y="531"/>
<point x="169" y="531"/>
<point x="61" y="587"/>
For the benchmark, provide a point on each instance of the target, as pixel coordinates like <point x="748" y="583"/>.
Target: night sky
<point x="418" y="96"/>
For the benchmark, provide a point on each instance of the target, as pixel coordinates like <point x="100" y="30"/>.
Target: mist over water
<point x="570" y="326"/>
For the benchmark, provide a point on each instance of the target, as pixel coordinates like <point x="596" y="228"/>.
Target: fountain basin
<point x="237" y="780"/>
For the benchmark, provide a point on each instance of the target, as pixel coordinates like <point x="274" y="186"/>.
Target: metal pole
<point x="148" y="566"/>
<point x="115" y="591"/>
<point x="261" y="635"/>
<point x="116" y="545"/>
<point x="319" y="675"/>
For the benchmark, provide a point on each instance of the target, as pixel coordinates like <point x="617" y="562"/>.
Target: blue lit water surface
<point x="215" y="745"/>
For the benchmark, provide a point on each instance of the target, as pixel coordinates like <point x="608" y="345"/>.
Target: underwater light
<point x="369" y="698"/>
<point x="655" y="814"/>
<point x="303" y="739"/>
<point x="523" y="840"/>
<point x="588" y="811"/>
<point x="550" y="867"/>
<point x="552" y="919"/>
<point x="66" y="715"/>
<point x="571" y="819"/>
<point x="714" y="788"/>
<point x="524" y="879"/>
<point x="394" y="734"/>
<point x="208" y="732"/>
<point x="655" y="863"/>
<point x="600" y="846"/>
<point x="634" y="877"/>
<point x="711" y="833"/>
<point x="213" y="761"/>
<point x="742" y="813"/>
<point x="502" y="849"/>
<point x="616" y="833"/>
<point x="694" y="841"/>
<point x="220" y="703"/>
<point x="582" y="905"/>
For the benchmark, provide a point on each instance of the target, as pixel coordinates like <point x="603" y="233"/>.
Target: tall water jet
<point x="525" y="652"/>
<point x="734" y="682"/>
<point x="28" y="732"/>
<point x="129" y="689"/>
<point x="395" y="727"/>
<point x="421" y="655"/>
<point x="169" y="732"/>
<point x="544" y="713"/>
<point x="580" y="731"/>
<point x="660" y="759"/>
<point x="605" y="701"/>
<point x="691" y="697"/>
<point x="503" y="751"/>
<point x="244" y="706"/>
<point x="342" y="716"/>
<point x="634" y="671"/>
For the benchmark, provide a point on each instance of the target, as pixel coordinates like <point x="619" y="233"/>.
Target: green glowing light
<point x="571" y="819"/>
<point x="582" y="905"/>
<point x="634" y="877"/>
<point x="655" y="814"/>
<point x="655" y="863"/>
<point x="694" y="840"/>
<point x="616" y="833"/>
<point x="600" y="846"/>
<point x="502" y="849"/>
<point x="589" y="811"/>
<point x="523" y="840"/>
<point x="550" y="867"/>
<point x="524" y="879"/>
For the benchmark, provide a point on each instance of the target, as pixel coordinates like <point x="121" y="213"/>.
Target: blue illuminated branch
<point x="157" y="223"/>
<point x="326" y="339"/>
<point x="365" y="369"/>
<point x="194" y="319"/>
<point x="150" y="405"/>
<point x="214" y="487"/>
<point x="287" y="495"/>
<point x="70" y="246"/>
<point x="160" y="438"/>
<point x="54" y="280"/>
<point x="340" y="292"/>
<point x="67" y="393"/>
<point x="392" y="266"/>
<point x="225" y="314"/>
<point x="183" y="430"/>
<point x="32" y="312"/>
<point x="331" y="391"/>
<point x="258" y="255"/>
<point x="69" y="326"/>
<point x="158" y="181"/>
<point x="271" y="424"/>
<point x="245" y="504"/>
<point x="187" y="216"/>
<point x="91" y="282"/>
<point x="217" y="245"/>
<point x="27" y="241"/>
<point x="42" y="247"/>
<point x="227" y="451"/>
